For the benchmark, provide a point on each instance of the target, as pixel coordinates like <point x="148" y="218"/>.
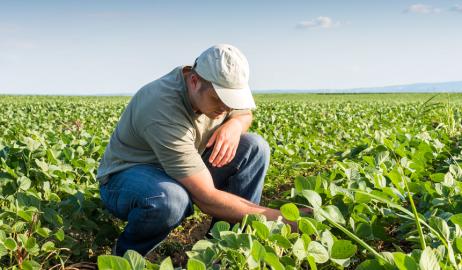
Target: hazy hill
<point x="408" y="88"/>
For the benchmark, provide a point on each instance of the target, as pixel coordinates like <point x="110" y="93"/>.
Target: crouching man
<point x="183" y="139"/>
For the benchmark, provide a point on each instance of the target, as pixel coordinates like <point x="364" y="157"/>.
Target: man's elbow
<point x="202" y="190"/>
<point x="205" y="202"/>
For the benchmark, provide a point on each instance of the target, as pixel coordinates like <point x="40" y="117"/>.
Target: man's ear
<point x="195" y="82"/>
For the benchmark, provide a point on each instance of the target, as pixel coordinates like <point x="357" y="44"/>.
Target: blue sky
<point x="84" y="47"/>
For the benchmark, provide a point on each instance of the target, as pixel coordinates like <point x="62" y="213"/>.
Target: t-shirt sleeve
<point x="173" y="145"/>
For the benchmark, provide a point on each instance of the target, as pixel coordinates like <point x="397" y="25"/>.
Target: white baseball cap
<point x="226" y="67"/>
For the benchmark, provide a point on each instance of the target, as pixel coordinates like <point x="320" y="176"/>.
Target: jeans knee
<point x="172" y="206"/>
<point x="258" y="145"/>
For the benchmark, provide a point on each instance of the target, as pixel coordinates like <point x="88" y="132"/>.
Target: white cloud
<point x="319" y="22"/>
<point x="422" y="9"/>
<point x="457" y="8"/>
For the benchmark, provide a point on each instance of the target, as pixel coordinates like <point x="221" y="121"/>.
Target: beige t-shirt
<point x="159" y="127"/>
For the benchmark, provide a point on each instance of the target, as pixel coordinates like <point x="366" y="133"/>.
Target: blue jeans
<point x="153" y="203"/>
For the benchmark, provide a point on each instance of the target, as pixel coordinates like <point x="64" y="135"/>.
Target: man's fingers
<point x="212" y="139"/>
<point x="221" y="155"/>
<point x="231" y="155"/>
<point x="216" y="150"/>
<point x="227" y="157"/>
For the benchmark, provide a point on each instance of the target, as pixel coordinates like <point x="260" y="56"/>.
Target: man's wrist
<point x="238" y="124"/>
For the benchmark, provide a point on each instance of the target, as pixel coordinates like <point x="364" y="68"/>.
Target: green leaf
<point x="109" y="262"/>
<point x="10" y="244"/>
<point x="404" y="262"/>
<point x="202" y="245"/>
<point x="343" y="249"/>
<point x="299" y="249"/>
<point x="244" y="240"/>
<point x="42" y="165"/>
<point x="313" y="198"/>
<point x="208" y="256"/>
<point x="363" y="230"/>
<point x="31" y="265"/>
<point x="229" y="239"/>
<point x="334" y="213"/>
<point x="306" y="226"/>
<point x="395" y="178"/>
<point x="361" y="198"/>
<point x="3" y="250"/>
<point x="251" y="263"/>
<point x="370" y="265"/>
<point x="166" y="264"/>
<point x="312" y="262"/>
<point x="456" y="219"/>
<point x="48" y="246"/>
<point x="459" y="244"/>
<point x="280" y="241"/>
<point x="258" y="251"/>
<point x="43" y="232"/>
<point x="248" y="219"/>
<point x="136" y="261"/>
<point x="318" y="252"/>
<point x="31" y="144"/>
<point x="25" y="215"/>
<point x="30" y="243"/>
<point x="290" y="212"/>
<point x="437" y="177"/>
<point x="301" y="183"/>
<point x="288" y="262"/>
<point x="194" y="264"/>
<point x="428" y="260"/>
<point x="381" y="157"/>
<point x="261" y="230"/>
<point x="24" y="183"/>
<point x="218" y="227"/>
<point x="60" y="235"/>
<point x="441" y="225"/>
<point x="273" y="261"/>
<point x="327" y="239"/>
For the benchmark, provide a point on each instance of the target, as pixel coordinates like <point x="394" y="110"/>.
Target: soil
<point x="181" y="240"/>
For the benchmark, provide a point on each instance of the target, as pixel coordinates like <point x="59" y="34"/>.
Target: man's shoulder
<point x="166" y="89"/>
<point x="162" y="100"/>
<point x="170" y="83"/>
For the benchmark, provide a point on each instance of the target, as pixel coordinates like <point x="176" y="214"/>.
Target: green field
<point x="380" y="171"/>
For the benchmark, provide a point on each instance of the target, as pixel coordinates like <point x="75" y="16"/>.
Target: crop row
<point x="383" y="180"/>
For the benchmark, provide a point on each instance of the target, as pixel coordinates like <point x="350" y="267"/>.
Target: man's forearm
<point x="232" y="208"/>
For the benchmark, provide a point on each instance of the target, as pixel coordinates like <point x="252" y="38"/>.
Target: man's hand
<point x="226" y="139"/>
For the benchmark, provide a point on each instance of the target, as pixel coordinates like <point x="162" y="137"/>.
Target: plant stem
<point x="353" y="236"/>
<point x="416" y="216"/>
<point x="349" y="234"/>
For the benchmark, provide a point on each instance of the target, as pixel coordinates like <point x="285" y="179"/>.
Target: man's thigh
<point x="143" y="186"/>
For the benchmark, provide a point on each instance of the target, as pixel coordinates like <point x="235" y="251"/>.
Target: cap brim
<point x="236" y="98"/>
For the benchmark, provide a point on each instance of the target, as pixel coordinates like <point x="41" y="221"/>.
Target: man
<point x="181" y="140"/>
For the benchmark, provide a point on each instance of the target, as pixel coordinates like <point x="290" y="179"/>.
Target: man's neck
<point x="186" y="71"/>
